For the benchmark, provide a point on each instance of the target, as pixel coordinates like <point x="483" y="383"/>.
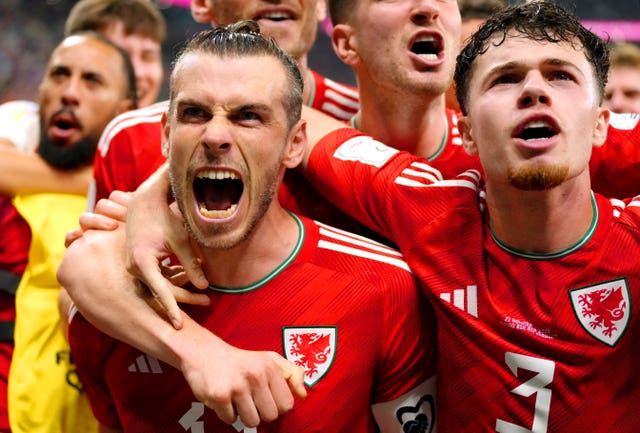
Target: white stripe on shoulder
<point x="364" y="254"/>
<point x="468" y="179"/>
<point x="336" y="111"/>
<point x="340" y="99"/>
<point x="341" y="88"/>
<point x="150" y="114"/>
<point x="357" y="240"/>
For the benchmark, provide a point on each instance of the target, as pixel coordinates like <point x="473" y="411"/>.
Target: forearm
<point x="94" y="274"/>
<point x="28" y="173"/>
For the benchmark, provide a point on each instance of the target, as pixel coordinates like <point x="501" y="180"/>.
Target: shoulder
<point x="143" y="122"/>
<point x="626" y="212"/>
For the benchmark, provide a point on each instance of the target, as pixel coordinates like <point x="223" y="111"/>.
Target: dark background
<point x="29" y="29"/>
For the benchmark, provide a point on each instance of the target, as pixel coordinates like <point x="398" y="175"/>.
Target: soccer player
<point x="130" y="149"/>
<point x="344" y="308"/>
<point x="529" y="275"/>
<point x="622" y="93"/>
<point x="88" y="80"/>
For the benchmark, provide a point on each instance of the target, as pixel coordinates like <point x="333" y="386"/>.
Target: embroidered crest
<point x="603" y="310"/>
<point x="365" y="150"/>
<point x="312" y="348"/>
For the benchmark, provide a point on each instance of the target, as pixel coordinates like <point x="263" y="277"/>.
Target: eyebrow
<point x="509" y="66"/>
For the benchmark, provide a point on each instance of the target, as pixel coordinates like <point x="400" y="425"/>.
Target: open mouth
<point x="427" y="46"/>
<point x="217" y="192"/>
<point x="274" y="16"/>
<point x="537" y="130"/>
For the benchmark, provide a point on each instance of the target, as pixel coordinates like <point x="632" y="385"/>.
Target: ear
<point x="342" y="39"/>
<point x="200" y="12"/>
<point x="296" y="145"/>
<point x="321" y="10"/>
<point x="166" y="144"/>
<point x="466" y="133"/>
<point x="602" y="127"/>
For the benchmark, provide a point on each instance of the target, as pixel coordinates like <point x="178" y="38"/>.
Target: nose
<point x="217" y="137"/>
<point x="617" y="103"/>
<point x="534" y="91"/>
<point x="71" y="92"/>
<point x="424" y="11"/>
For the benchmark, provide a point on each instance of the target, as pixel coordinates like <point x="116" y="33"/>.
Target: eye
<point x="509" y="78"/>
<point x="248" y="116"/>
<point x="562" y="76"/>
<point x="191" y="114"/>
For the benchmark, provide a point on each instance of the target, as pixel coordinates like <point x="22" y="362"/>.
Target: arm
<point x="28" y="173"/>
<point x="253" y="385"/>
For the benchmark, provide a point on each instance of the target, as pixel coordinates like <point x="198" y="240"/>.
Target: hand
<point x="152" y="240"/>
<point x="106" y="216"/>
<point x="256" y="386"/>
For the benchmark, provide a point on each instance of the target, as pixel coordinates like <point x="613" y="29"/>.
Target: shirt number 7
<point x="536" y="385"/>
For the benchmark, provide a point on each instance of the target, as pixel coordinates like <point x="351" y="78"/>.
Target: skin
<point x="146" y="56"/>
<point x="296" y="34"/>
<point x="401" y="93"/>
<point x="87" y="77"/>
<point x="213" y="125"/>
<point x="519" y="82"/>
<point x="622" y="94"/>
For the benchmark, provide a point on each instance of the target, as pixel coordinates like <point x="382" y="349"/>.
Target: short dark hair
<point x="340" y="10"/>
<point x="132" y="92"/>
<point x="479" y="9"/>
<point x="539" y="20"/>
<point x="138" y="17"/>
<point x="244" y="39"/>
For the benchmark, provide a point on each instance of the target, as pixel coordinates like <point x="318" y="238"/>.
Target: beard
<point x="80" y="154"/>
<point x="538" y="178"/>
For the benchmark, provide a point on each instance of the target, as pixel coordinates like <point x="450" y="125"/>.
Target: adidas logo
<point x="145" y="364"/>
<point x="464" y="299"/>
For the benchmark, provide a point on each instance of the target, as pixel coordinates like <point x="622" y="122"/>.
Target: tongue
<point x="219" y="198"/>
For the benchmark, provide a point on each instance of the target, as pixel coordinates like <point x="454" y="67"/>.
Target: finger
<point x="160" y="288"/>
<point x="187" y="297"/>
<point x="266" y="401"/>
<point x="93" y="221"/>
<point x="121" y="197"/>
<point x="294" y="376"/>
<point x="246" y="409"/>
<point x="224" y="411"/>
<point x="71" y="236"/>
<point x="112" y="209"/>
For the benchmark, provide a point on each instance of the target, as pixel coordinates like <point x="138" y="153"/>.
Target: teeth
<point x="425" y="38"/>
<point x="538" y="124"/>
<point x="217" y="174"/>
<point x="275" y="15"/>
<point x="218" y="213"/>
<point x="429" y="56"/>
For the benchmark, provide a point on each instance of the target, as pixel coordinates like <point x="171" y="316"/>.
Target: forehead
<point x="518" y="50"/>
<point x="90" y="55"/>
<point x="230" y="79"/>
<point x="115" y="31"/>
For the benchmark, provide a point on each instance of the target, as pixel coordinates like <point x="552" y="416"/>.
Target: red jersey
<point x="14" y="254"/>
<point x="344" y="308"/>
<point x="527" y="342"/>
<point x="615" y="166"/>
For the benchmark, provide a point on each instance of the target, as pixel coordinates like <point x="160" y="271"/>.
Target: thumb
<point x="294" y="376"/>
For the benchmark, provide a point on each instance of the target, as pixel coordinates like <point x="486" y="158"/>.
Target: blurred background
<point x="29" y="29"/>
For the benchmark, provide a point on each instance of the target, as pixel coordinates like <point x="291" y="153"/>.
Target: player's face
<point x="292" y="23"/>
<point x="622" y="94"/>
<point x="228" y="144"/>
<point x="146" y="56"/>
<point x="407" y="44"/>
<point x="533" y="113"/>
<point x="83" y="88"/>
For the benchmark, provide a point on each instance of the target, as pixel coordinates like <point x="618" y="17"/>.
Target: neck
<point x="273" y="240"/>
<point x="303" y="65"/>
<point x="541" y="222"/>
<point x="409" y="122"/>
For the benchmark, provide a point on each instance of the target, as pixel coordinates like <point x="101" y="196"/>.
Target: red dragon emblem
<point x="312" y="349"/>
<point x="603" y="310"/>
